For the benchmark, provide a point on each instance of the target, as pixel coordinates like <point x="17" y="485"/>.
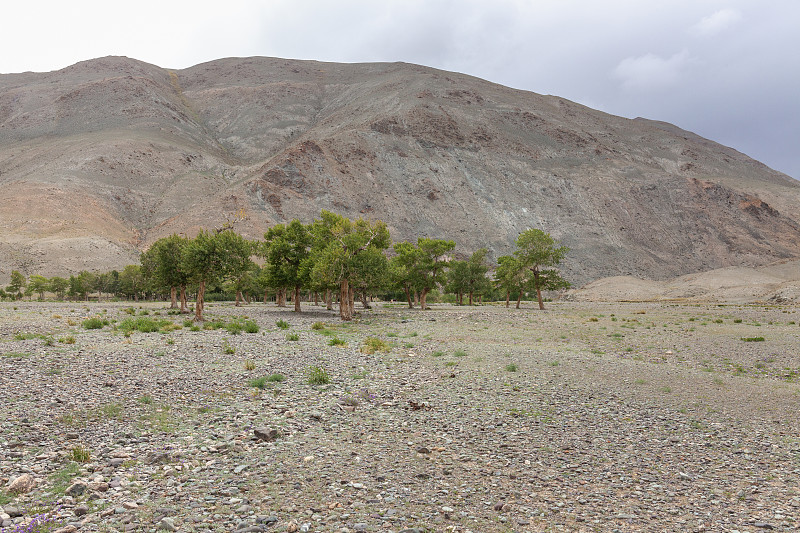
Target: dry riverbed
<point x="583" y="417"/>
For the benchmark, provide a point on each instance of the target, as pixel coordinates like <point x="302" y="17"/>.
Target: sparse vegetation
<point x="316" y="375"/>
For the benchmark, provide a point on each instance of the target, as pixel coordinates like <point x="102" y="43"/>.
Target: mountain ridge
<point x="116" y="153"/>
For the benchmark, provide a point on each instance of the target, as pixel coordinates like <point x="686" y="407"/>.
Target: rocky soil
<point x="584" y="417"/>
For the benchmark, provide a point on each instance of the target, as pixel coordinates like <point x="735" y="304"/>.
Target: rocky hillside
<point x="101" y="158"/>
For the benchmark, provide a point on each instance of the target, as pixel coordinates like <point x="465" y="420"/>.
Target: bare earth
<point x="585" y="417"/>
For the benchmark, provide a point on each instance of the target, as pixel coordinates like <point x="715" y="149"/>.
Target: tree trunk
<point x="408" y="297"/>
<point x="480" y="299"/>
<point x="344" y="301"/>
<point x="183" y="299"/>
<point x="364" y="301"/>
<point x="297" y="298"/>
<point x="519" y="298"/>
<point x="416" y="298"/>
<point x="280" y="297"/>
<point x="538" y="289"/>
<point x="238" y="298"/>
<point x="266" y="292"/>
<point x="198" y="306"/>
<point x="422" y="299"/>
<point x="470" y="298"/>
<point x="508" y="298"/>
<point x="329" y="299"/>
<point x="316" y="298"/>
<point x="351" y="294"/>
<point x="173" y="297"/>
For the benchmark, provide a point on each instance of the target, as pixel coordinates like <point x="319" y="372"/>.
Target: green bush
<point x="374" y="344"/>
<point x="258" y="383"/>
<point x="336" y="342"/>
<point x="276" y="378"/>
<point x="292" y="337"/>
<point x="753" y="339"/>
<point x="282" y="324"/>
<point x="316" y="375"/>
<point x="94" y="323"/>
<point x="318" y="326"/>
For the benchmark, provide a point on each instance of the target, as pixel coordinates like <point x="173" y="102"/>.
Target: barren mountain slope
<point x="120" y="153"/>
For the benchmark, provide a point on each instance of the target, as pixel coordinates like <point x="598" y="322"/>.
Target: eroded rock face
<point x="100" y="159"/>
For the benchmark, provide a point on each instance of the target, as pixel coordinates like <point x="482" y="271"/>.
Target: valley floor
<point x="584" y="417"/>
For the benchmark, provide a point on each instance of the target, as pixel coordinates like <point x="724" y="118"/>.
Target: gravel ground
<point x="584" y="417"/>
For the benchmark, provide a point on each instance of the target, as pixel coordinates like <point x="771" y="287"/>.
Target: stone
<point x="76" y="489"/>
<point x="266" y="434"/>
<point x="167" y="524"/>
<point x="21" y="485"/>
<point x="80" y="510"/>
<point x="12" y="512"/>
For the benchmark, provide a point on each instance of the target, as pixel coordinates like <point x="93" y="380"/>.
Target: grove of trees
<point x="333" y="256"/>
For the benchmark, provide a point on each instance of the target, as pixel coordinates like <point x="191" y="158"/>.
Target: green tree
<point x="457" y="276"/>
<point x="540" y="253"/>
<point x="510" y="276"/>
<point x="403" y="268"/>
<point x="80" y="285"/>
<point x="58" y="286"/>
<point x="431" y="270"/>
<point x="162" y="263"/>
<point x="477" y="268"/>
<point x="40" y="284"/>
<point x="287" y="252"/>
<point x="335" y="258"/>
<point x="214" y="257"/>
<point x="16" y="285"/>
<point x="132" y="282"/>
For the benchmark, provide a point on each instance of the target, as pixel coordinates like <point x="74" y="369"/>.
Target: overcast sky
<point x="728" y="70"/>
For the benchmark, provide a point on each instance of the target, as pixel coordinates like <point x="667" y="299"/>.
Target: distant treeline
<point x="333" y="257"/>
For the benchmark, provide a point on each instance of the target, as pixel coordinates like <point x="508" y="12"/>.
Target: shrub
<point x="249" y="365"/>
<point x="282" y="324"/>
<point x="753" y="339"/>
<point x="69" y="339"/>
<point x="437" y="353"/>
<point x="228" y="349"/>
<point x="374" y="344"/>
<point x="511" y="367"/>
<point x="234" y="327"/>
<point x="316" y="375"/>
<point x="250" y="326"/>
<point x="276" y="378"/>
<point x="258" y="383"/>
<point x="94" y="323"/>
<point x="318" y="326"/>
<point x="336" y="342"/>
<point x="460" y="353"/>
<point x="146" y="399"/>
<point x="292" y="337"/>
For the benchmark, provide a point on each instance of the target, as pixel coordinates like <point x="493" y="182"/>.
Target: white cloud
<point x="651" y="71"/>
<point x="717" y="22"/>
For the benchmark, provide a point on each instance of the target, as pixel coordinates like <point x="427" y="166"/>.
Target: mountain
<point x="101" y="158"/>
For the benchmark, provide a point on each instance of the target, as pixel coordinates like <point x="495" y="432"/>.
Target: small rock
<point x="130" y="505"/>
<point x="21" y="485"/>
<point x="76" y="489"/>
<point x="266" y="434"/>
<point x="81" y="510"/>
<point x="66" y="529"/>
<point x="763" y="525"/>
<point x="423" y="450"/>
<point x="167" y="524"/>
<point x="12" y="512"/>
